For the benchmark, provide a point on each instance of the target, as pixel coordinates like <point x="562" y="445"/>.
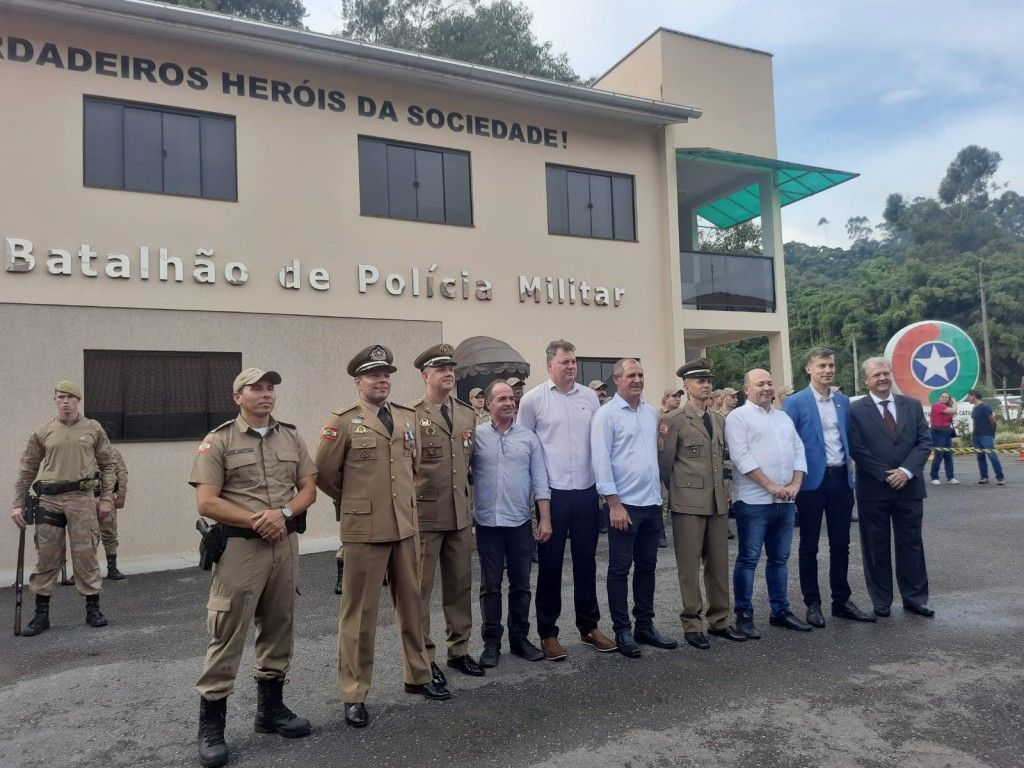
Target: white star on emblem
<point x="935" y="365"/>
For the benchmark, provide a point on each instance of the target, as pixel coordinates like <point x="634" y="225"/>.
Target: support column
<point x="771" y="235"/>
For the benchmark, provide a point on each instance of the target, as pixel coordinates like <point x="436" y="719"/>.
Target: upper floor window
<point x="413" y="181"/>
<point x="586" y="203"/>
<point x="145" y="148"/>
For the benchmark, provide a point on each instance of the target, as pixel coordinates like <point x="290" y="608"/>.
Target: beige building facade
<point x="187" y="194"/>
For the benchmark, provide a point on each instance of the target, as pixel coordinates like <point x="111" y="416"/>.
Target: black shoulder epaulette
<point x="286" y="424"/>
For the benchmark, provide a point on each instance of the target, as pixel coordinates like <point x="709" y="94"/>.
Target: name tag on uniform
<point x="235" y="451"/>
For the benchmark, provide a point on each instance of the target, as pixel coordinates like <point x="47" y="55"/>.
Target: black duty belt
<point x="234" y="532"/>
<point x="55" y="489"/>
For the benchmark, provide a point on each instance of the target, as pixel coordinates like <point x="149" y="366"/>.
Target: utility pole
<point x="984" y="326"/>
<point x="856" y="365"/>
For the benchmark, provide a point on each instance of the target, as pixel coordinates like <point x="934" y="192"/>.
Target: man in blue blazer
<point x="820" y="416"/>
<point x="890" y="442"/>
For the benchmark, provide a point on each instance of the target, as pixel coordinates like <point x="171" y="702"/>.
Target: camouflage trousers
<point x="84" y="535"/>
<point x="108" y="533"/>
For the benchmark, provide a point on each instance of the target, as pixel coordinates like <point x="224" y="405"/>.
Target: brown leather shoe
<point x="598" y="641"/>
<point x="553" y="650"/>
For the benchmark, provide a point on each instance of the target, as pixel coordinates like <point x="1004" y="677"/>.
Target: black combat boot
<point x="341" y="572"/>
<point x="212" y="718"/>
<point x="93" y="616"/>
<point x="272" y="716"/>
<point x="41" y="621"/>
<point x="112" y="572"/>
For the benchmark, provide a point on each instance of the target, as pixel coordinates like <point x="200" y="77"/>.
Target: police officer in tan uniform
<point x="366" y="461"/>
<point x="446" y="429"/>
<point x="253" y="476"/>
<point x="476" y="399"/>
<point x="108" y="524"/>
<point x="691" y="456"/>
<point x="65" y="460"/>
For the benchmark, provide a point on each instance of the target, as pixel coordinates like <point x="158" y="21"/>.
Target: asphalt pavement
<point x="906" y="692"/>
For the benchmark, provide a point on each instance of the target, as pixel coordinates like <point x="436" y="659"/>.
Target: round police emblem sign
<point x="932" y="357"/>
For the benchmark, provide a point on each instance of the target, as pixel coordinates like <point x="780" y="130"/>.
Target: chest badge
<point x="360" y="430"/>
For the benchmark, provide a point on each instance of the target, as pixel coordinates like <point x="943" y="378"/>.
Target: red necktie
<point x="890" y="422"/>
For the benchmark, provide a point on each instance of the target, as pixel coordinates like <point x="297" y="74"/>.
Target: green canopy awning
<point x="794" y="181"/>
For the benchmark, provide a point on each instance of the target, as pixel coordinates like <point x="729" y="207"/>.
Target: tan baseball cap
<point x="474" y="392"/>
<point x="673" y="391"/>
<point x="597" y="384"/>
<point x="515" y="381"/>
<point x="729" y="391"/>
<point x="68" y="388"/>
<point x="252" y="375"/>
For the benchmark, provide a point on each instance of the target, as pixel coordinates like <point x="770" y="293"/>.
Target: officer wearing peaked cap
<point x="365" y="462"/>
<point x="691" y="457"/>
<point x="446" y="436"/>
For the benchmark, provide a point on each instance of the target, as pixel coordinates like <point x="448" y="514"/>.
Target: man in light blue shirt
<point x="624" y="454"/>
<point x="508" y="464"/>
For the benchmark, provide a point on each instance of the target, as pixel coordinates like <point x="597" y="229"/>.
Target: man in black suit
<point x="890" y="443"/>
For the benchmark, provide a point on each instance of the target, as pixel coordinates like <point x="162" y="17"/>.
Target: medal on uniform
<point x="360" y="430"/>
<point x="425" y="423"/>
<point x="466" y="438"/>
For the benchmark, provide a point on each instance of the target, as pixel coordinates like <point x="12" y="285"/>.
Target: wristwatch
<point x="288" y="514"/>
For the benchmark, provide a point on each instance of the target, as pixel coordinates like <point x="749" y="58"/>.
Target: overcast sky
<point x="890" y="90"/>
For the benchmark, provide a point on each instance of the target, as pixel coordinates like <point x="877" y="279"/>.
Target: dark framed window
<point x="590" y="368"/>
<point x="160" y="395"/>
<point x="414" y="182"/>
<point x="145" y="148"/>
<point x="584" y="203"/>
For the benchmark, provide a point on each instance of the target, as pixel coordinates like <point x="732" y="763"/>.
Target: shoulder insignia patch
<point x="204" y="447"/>
<point x="329" y="433"/>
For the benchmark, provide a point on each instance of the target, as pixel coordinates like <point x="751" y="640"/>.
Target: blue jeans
<point x="769" y="526"/>
<point x="942" y="437"/>
<point x="989" y="442"/>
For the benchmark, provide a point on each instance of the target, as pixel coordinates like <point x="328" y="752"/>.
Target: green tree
<point x="287" y="12"/>
<point x="968" y="177"/>
<point x="494" y="35"/>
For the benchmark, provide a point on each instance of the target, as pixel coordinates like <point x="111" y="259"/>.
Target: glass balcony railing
<point x="726" y="281"/>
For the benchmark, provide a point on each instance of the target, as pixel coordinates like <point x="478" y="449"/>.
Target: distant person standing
<point x="729" y="401"/>
<point x="984" y="438"/>
<point x="670" y="401"/>
<point x="601" y="389"/>
<point x="476" y="399"/>
<point x="108" y="524"/>
<point x="941" y="419"/>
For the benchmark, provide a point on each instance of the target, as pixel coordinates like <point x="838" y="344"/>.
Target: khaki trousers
<point x="454" y="550"/>
<point x="253" y="580"/>
<point x="108" y="533"/>
<point x="366" y="565"/>
<point x="703" y="539"/>
<point x="84" y="536"/>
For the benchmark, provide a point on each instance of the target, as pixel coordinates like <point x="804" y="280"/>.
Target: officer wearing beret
<point x="365" y="461"/>
<point x="66" y="460"/>
<point x="691" y="457"/>
<point x="445" y="428"/>
<point x="254" y="476"/>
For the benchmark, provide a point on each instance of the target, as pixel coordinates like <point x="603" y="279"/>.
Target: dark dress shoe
<point x="788" y="621"/>
<point x="651" y="636"/>
<point x="882" y="611"/>
<point x="849" y="610"/>
<point x="729" y="633"/>
<point x="466" y="665"/>
<point x="355" y="715"/>
<point x="524" y="649"/>
<point x="920" y="610"/>
<point x="429" y="690"/>
<point x="814" y="617"/>
<point x="489" y="658"/>
<point x="662" y="540"/>
<point x="697" y="640"/>
<point x="437" y="676"/>
<point x="745" y="626"/>
<point x="627" y="644"/>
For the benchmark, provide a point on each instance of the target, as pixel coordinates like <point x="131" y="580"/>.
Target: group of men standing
<point x="410" y="481"/>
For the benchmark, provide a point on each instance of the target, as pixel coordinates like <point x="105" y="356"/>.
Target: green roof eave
<point x="793" y="180"/>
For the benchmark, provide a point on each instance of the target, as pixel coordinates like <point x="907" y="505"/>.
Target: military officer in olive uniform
<point x="108" y="524"/>
<point x="691" y="457"/>
<point x="254" y="476"/>
<point x="65" y="461"/>
<point x="365" y="461"/>
<point x="446" y="428"/>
